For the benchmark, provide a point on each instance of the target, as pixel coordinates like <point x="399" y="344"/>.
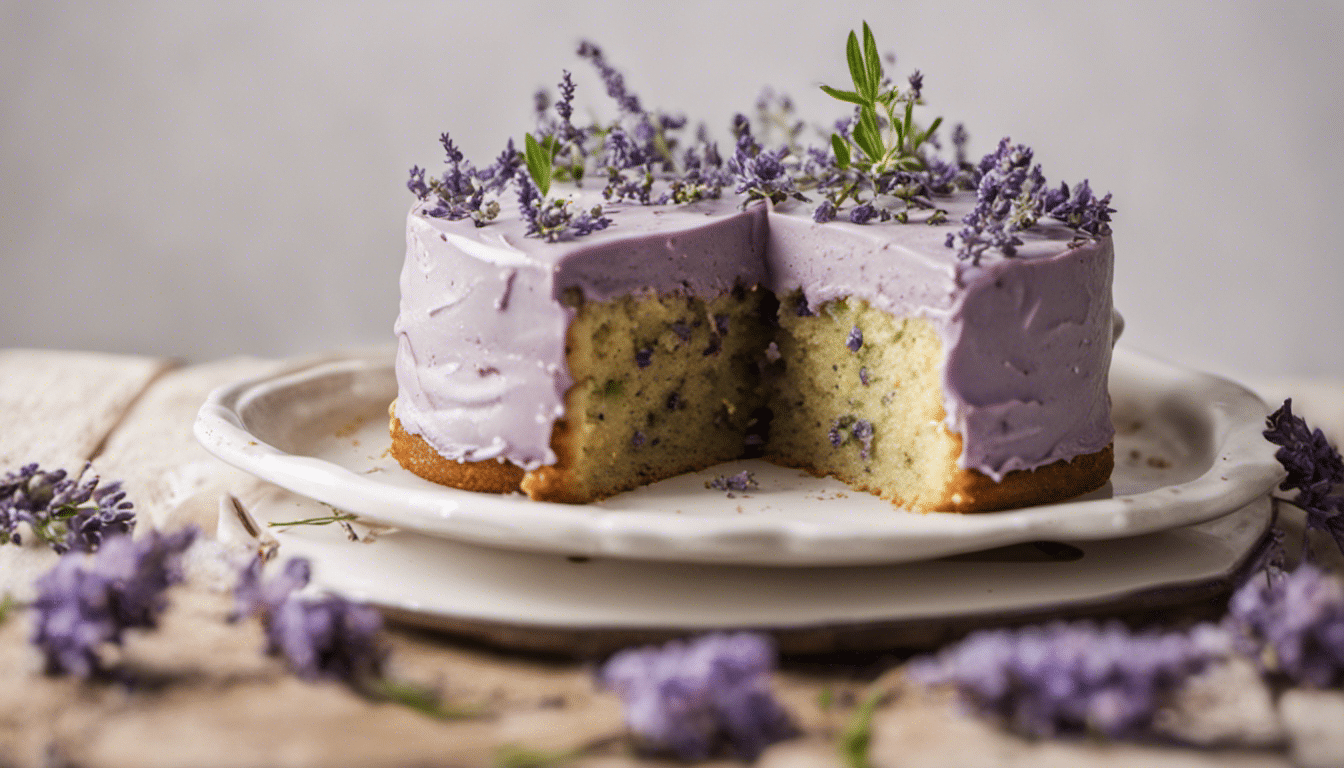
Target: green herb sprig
<point x="897" y="147"/>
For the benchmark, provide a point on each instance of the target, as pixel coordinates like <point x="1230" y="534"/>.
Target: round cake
<point x="946" y="348"/>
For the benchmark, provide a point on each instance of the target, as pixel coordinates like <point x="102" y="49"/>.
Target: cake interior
<point x="663" y="384"/>
<point x="859" y="396"/>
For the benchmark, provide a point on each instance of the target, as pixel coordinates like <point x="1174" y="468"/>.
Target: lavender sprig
<point x="1314" y="469"/>
<point x="1072" y="677"/>
<point x="87" y="601"/>
<point x="1293" y="624"/>
<point x="761" y="174"/>
<point x="320" y="638"/>
<point x="62" y="511"/>
<point x="688" y="697"/>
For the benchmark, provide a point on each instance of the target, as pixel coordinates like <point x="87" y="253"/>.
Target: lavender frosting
<point x="481" y="332"/>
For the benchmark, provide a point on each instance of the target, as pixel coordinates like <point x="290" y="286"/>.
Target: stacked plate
<point x="821" y="566"/>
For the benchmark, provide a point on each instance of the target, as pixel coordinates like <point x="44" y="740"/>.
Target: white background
<point x="203" y="180"/>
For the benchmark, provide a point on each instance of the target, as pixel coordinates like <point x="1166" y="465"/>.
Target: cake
<point x="944" y="345"/>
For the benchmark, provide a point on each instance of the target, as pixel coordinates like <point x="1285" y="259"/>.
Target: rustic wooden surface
<point x="201" y="693"/>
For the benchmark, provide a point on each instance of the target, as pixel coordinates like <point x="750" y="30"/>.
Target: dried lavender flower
<point x="691" y="696"/>
<point x="644" y="357"/>
<point x="1072" y="677"/>
<point x="1314" y="468"/>
<point x="854" y="342"/>
<point x="320" y="638"/>
<point x="65" y="512"/>
<point x="742" y="481"/>
<point x="86" y="601"/>
<point x="1294" y="624"/>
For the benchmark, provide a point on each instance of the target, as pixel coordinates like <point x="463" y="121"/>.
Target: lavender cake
<point x="934" y="331"/>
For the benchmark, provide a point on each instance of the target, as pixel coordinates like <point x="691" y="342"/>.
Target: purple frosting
<point x="481" y="357"/>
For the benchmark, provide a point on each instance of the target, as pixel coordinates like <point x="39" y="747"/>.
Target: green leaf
<point x="867" y="134"/>
<point x="923" y="137"/>
<point x="841" y="149"/>
<point x="849" y="96"/>
<point x="873" y="60"/>
<point x="538" y="164"/>
<point x="856" y="69"/>
<point x="859" y="732"/>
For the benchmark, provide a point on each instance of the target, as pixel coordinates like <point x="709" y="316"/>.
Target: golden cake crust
<point x="973" y="491"/>
<point x="416" y="455"/>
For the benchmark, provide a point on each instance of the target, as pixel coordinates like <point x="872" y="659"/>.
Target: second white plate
<point x="1188" y="449"/>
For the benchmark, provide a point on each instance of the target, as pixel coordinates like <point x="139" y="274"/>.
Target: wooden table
<point x="204" y="694"/>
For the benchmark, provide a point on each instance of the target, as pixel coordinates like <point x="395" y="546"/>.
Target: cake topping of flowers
<point x="878" y="164"/>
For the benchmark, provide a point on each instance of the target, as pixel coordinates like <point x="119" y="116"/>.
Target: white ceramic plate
<point x="591" y="606"/>
<point x="1188" y="449"/>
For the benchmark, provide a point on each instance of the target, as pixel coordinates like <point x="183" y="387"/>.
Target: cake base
<point x="974" y="491"/>
<point x="970" y="490"/>
<point x="413" y="453"/>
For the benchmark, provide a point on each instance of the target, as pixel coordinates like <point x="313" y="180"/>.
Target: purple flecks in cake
<point x="674" y="401"/>
<point x="721" y="324"/>
<point x="715" y="344"/>
<point x="863" y="376"/>
<point x="742" y="481"/>
<point x="637" y="439"/>
<point x="834" y="435"/>
<point x="644" y="357"/>
<point x="682" y="330"/>
<point x="847" y="428"/>
<point x="801" y="309"/>
<point x="855" y="340"/>
<point x="863" y="432"/>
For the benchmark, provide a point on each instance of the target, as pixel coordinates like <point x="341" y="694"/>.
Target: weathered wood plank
<point x="56" y="408"/>
<point x="166" y="473"/>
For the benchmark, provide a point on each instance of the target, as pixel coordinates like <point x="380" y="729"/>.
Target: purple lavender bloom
<point x="65" y="512"/>
<point x="916" y="84"/>
<point x="690" y="697"/>
<point x="637" y="439"/>
<point x="416" y="184"/>
<point x="761" y="174"/>
<point x="611" y="78"/>
<point x="322" y="638"/>
<point x="1081" y="210"/>
<point x="824" y="212"/>
<point x="328" y="638"/>
<point x="87" y="601"/>
<point x="565" y="106"/>
<point x="1071" y="677"/>
<point x="1314" y="468"/>
<point x="863" y="432"/>
<point x="682" y="330"/>
<point x="1294" y="624"/>
<point x="855" y="340"/>
<point x="742" y="481"/>
<point x="644" y="357"/>
<point x="863" y="376"/>
<point x="862" y="213"/>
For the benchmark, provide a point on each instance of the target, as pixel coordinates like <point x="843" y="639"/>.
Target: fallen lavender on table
<point x="1314" y="468"/>
<point x="65" y="512"/>
<point x="1072" y="677"/>
<point x="691" y="696"/>
<point x="1293" y="624"/>
<point x="742" y="481"/>
<point x="86" y="601"/>
<point x="320" y="638"/>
